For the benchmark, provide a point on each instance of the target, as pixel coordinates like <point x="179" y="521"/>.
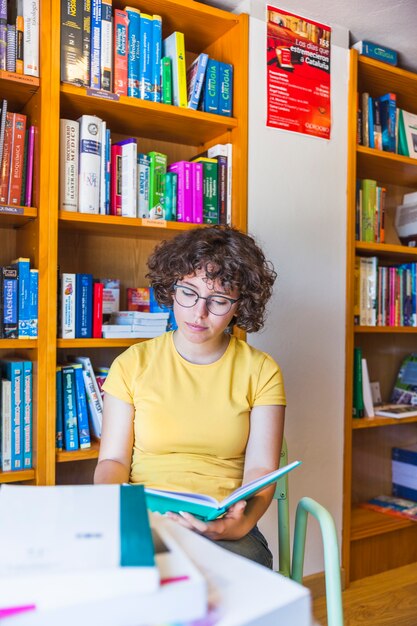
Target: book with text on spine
<point x="396" y="410"/>
<point x="206" y="507"/>
<point x="174" y="48"/>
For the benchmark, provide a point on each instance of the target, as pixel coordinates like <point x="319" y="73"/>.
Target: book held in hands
<point x="206" y="507"/>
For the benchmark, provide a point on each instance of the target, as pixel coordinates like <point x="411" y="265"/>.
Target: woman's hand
<point x="233" y="525"/>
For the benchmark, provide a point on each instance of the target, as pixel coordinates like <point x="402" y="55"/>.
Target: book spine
<point x="145" y="66"/>
<point x="11" y="48"/>
<point x="210" y="195"/>
<point x="377" y="52"/>
<point x="17" y="158"/>
<point x="31" y="37"/>
<point x="29" y="166"/>
<point x="225" y="89"/>
<point x="166" y="80"/>
<point x="120" y="52"/>
<point x="174" y="48"/>
<point x="195" y="80"/>
<point x="69" y="406"/>
<point x="27" y="414"/>
<point x="9" y="296"/>
<point x="68" y="165"/>
<point x="358" y="406"/>
<point x="106" y="46"/>
<point x="129" y="177"/>
<point x="82" y="410"/>
<point x="33" y="303"/>
<point x="3" y="34"/>
<point x="157" y="171"/>
<point x="13" y="371"/>
<point x="184" y="193"/>
<point x="222" y="188"/>
<point x="83" y="305"/>
<point x="170" y="204"/>
<point x="94" y="403"/>
<point x="116" y="180"/>
<point x="2" y="127"/>
<point x="95" y="45"/>
<point x="156" y="52"/>
<point x="97" y="309"/>
<point x="133" y="52"/>
<point x="5" y="164"/>
<point x="89" y="164"/>
<point x="86" y="41"/>
<point x="59" y="436"/>
<point x="20" y="34"/>
<point x="227" y="151"/>
<point x="143" y="184"/>
<point x="72" y="51"/>
<point x="6" y="425"/>
<point x="211" y="87"/>
<point x="388" y="107"/>
<point x="197" y="192"/>
<point x="22" y="266"/>
<point x="102" y="201"/>
<point x="68" y="306"/>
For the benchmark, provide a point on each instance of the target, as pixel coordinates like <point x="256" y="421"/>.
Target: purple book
<point x="184" y="190"/>
<point x="197" y="192"/>
<point x="29" y="168"/>
<point x="3" y="34"/>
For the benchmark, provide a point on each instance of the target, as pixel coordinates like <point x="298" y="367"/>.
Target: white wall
<point x="297" y="211"/>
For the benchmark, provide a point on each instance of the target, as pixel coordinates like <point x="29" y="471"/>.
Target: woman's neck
<point x="201" y="354"/>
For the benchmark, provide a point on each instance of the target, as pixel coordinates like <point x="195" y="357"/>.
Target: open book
<point x="205" y="507"/>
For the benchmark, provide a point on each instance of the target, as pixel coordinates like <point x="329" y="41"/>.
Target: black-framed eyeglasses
<point x="216" y="304"/>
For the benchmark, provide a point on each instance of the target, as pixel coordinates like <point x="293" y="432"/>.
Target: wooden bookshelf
<point x="17" y="89"/>
<point x="374" y="542"/>
<point x="62" y="456"/>
<point x="16" y="216"/>
<point x="18" y="476"/>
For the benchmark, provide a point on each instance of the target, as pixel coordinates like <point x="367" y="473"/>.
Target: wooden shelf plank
<point x="148" y="119"/>
<point x="16" y="477"/>
<point x="113" y="226"/>
<point x="385" y="329"/>
<point x="378" y="78"/>
<point x="17" y="89"/>
<point x="376" y="421"/>
<point x="63" y="456"/>
<point x="17" y="344"/>
<point x="16" y="215"/>
<point x="386" y="166"/>
<point x="97" y="343"/>
<point x="386" y="250"/>
<point x="368" y="523"/>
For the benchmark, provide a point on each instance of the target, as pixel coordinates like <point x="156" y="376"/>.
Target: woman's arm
<point x="262" y="456"/>
<point x="116" y="443"/>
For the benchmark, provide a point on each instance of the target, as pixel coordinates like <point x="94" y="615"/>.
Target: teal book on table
<point x="205" y="507"/>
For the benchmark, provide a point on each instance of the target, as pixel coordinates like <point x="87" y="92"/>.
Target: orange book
<point x="17" y="158"/>
<point x="5" y="163"/>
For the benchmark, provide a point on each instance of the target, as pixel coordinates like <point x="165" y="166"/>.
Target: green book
<point x="402" y="137"/>
<point x="157" y="171"/>
<point x="166" y="80"/>
<point x="170" y="201"/>
<point x="205" y="507"/>
<point x="210" y="190"/>
<point x="368" y="209"/>
<point x="358" y="405"/>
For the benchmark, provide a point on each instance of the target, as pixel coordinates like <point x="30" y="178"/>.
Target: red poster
<point x="298" y="74"/>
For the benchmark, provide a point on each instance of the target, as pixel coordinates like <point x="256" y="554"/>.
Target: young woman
<point x="197" y="409"/>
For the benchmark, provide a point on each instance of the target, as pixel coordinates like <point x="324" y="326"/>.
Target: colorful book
<point x="17" y="159"/>
<point x="3" y="35"/>
<point x="69" y="409"/>
<point x="143" y="171"/>
<point x="145" y="61"/>
<point x="2" y="127"/>
<point x="68" y="306"/>
<point x="157" y="171"/>
<point x="195" y="79"/>
<point x="116" y="180"/>
<point x="5" y="163"/>
<point x="408" y="133"/>
<point x="129" y="176"/>
<point x="11" y="48"/>
<point x="170" y="196"/>
<point x="184" y="190"/>
<point x="8" y="303"/>
<point x="86" y="40"/>
<point x="133" y="16"/>
<point x="225" y="89"/>
<point x="375" y="51"/>
<point x="94" y="399"/>
<point x="208" y="508"/>
<point x="72" y="54"/>
<point x="33" y="303"/>
<point x="156" y="53"/>
<point x="197" y="183"/>
<point x="89" y="164"/>
<point x="106" y="44"/>
<point x="358" y="405"/>
<point x="210" y="101"/>
<point x="83" y="305"/>
<point x="387" y="109"/>
<point x="120" y="45"/>
<point x="174" y="48"/>
<point x="27" y="414"/>
<point x="95" y="45"/>
<point x="22" y="265"/>
<point x="12" y="369"/>
<point x="103" y="168"/>
<point x="20" y="32"/>
<point x="225" y="150"/>
<point x="59" y="435"/>
<point x="166" y="80"/>
<point x="30" y="9"/>
<point x="6" y="426"/>
<point x="97" y="309"/>
<point x="82" y="410"/>
<point x="29" y="166"/>
<point x="210" y="192"/>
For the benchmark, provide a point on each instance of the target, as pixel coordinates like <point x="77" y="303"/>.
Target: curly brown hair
<point x="224" y="254"/>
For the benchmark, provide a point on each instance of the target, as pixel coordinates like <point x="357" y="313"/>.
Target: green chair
<point x="294" y="569"/>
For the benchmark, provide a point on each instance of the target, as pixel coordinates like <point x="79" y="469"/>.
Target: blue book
<point x="83" y="305"/>
<point x="95" y="48"/>
<point x="374" y="51"/>
<point x="133" y="56"/>
<point x="33" y="303"/>
<point x="388" y="113"/>
<point x="195" y="80"/>
<point x="145" y="65"/>
<point x="59" y="437"/>
<point x="13" y="371"/>
<point x="371" y="139"/>
<point x="23" y="289"/>
<point x="9" y="300"/>
<point x="211" y="87"/>
<point x="27" y="414"/>
<point x="225" y="89"/>
<point x="156" y="54"/>
<point x="82" y="410"/>
<point x="69" y="406"/>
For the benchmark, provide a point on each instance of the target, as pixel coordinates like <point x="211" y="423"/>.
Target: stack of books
<point x="136" y="325"/>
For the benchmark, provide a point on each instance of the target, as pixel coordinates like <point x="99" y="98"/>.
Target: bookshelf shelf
<point x="378" y="78"/>
<point x="79" y="455"/>
<point x="16" y="216"/>
<point x="17" y="476"/>
<point x="152" y="120"/>
<point x="17" y="89"/>
<point x="367" y="523"/>
<point x="18" y="344"/>
<point x="384" y="250"/>
<point x="376" y="421"/>
<point x="97" y="343"/>
<point x="386" y="166"/>
<point x="113" y="226"/>
<point x="382" y="330"/>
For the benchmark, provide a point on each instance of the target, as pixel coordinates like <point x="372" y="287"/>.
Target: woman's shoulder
<point x="246" y="351"/>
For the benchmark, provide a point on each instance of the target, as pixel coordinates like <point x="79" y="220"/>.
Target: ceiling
<point x="392" y="23"/>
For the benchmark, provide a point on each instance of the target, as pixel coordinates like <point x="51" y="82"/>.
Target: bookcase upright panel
<point x="374" y="542"/>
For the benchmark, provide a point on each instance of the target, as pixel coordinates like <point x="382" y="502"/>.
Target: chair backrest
<point x="281" y="496"/>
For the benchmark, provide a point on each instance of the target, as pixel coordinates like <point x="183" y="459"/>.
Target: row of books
<point x="19" y="36"/>
<point x="136" y="325"/>
<point x="17" y="150"/>
<point x="16" y="410"/>
<point x="384" y="295"/>
<point x="384" y="126"/>
<point x="101" y="177"/>
<point x="122" y="51"/>
<point x="370" y="211"/>
<point x="19" y="300"/>
<point x="79" y="403"/>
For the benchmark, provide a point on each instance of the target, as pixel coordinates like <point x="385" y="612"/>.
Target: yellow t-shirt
<point x="191" y="422"/>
